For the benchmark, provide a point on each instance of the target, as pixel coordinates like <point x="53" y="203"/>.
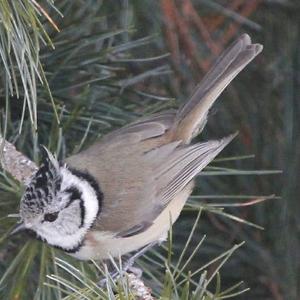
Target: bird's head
<point x="60" y="204"/>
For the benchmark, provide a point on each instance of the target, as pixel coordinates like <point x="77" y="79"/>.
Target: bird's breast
<point x="100" y="245"/>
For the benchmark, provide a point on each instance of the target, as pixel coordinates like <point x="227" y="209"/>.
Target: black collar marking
<point x="92" y="181"/>
<point x="84" y="175"/>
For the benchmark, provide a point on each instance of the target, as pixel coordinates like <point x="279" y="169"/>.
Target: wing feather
<point x="144" y="128"/>
<point x="184" y="165"/>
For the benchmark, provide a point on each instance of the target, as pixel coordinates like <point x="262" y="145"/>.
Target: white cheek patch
<point x="57" y="234"/>
<point x="89" y="196"/>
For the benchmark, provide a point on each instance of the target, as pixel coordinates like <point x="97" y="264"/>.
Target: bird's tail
<point x="192" y="116"/>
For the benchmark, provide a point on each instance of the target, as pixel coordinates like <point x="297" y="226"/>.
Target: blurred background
<point x="114" y="61"/>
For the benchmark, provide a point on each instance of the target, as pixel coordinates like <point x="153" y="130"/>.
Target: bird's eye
<point x="51" y="217"/>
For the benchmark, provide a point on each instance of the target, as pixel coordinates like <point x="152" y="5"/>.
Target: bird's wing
<point x="175" y="171"/>
<point x="138" y="181"/>
<point x="144" y="128"/>
<point x="125" y="175"/>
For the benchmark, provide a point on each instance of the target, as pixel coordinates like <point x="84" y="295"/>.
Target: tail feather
<point x="192" y="116"/>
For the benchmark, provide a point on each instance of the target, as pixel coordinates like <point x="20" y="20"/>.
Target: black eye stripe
<point x="51" y="217"/>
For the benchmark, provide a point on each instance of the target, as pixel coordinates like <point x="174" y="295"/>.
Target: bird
<point x="123" y="192"/>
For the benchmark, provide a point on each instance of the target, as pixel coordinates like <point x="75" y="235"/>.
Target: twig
<point x="214" y="23"/>
<point x="170" y="30"/>
<point x="16" y="163"/>
<point x="138" y="287"/>
<point x="233" y="28"/>
<point x="22" y="168"/>
<point x="177" y="30"/>
<point x="193" y="17"/>
<point x="40" y="8"/>
<point x="181" y="20"/>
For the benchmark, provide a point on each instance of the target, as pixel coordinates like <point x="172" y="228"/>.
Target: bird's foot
<point x="127" y="267"/>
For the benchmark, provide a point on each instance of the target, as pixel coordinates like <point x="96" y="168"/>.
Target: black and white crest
<point x="43" y="186"/>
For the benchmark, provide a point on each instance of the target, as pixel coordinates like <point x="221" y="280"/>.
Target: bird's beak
<point x="19" y="227"/>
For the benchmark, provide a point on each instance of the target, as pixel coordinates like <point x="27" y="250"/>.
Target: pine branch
<point x="138" y="287"/>
<point x="16" y="163"/>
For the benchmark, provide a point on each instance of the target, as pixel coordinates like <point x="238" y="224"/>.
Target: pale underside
<point x="102" y="245"/>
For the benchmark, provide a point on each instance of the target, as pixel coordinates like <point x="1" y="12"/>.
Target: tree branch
<point x="16" y="163"/>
